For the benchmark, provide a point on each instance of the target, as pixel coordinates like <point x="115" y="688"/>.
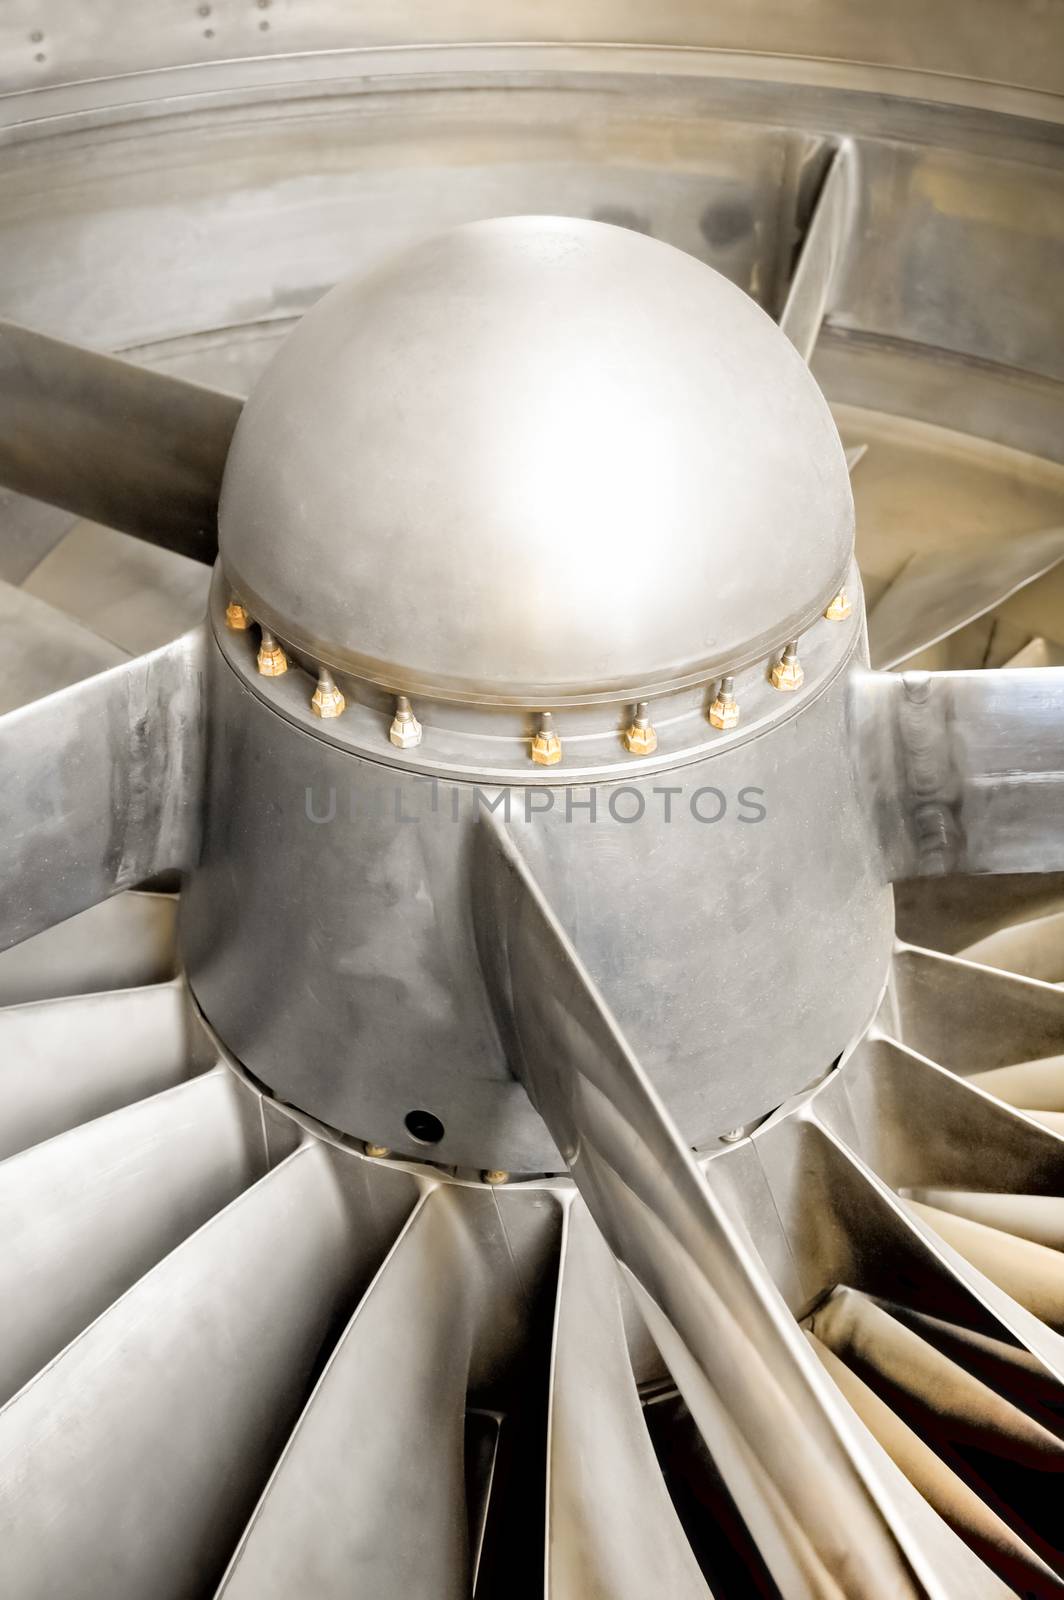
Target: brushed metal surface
<point x="100" y="787"/>
<point x="964" y="770"/>
<point x="818" y="270"/>
<point x="371" y="1481"/>
<point x="123" y="942"/>
<point x="939" y="593"/>
<point x="66" y="1061"/>
<point x="612" y="1531"/>
<point x="42" y="650"/>
<point x="84" y="1215"/>
<point x="997" y="43"/>
<point x="142" y="1399"/>
<point x="716" y="1318"/>
<point x="329" y="940"/>
<point x="112" y="441"/>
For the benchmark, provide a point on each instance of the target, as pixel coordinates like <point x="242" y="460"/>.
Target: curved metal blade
<point x="99" y="786"/>
<point x="113" y="442"/>
<point x="956" y="1503"/>
<point x="43" y="650"/>
<point x="121" y="943"/>
<point x="207" y="1359"/>
<point x="1031" y="1274"/>
<point x="883" y="1350"/>
<point x="371" y="1482"/>
<point x="63" y="1062"/>
<point x="1033" y="948"/>
<point x="84" y="1215"/>
<point x="800" y="1478"/>
<point x="936" y="595"/>
<point x="816" y="273"/>
<point x="1038" y="1217"/>
<point x="612" y="1531"/>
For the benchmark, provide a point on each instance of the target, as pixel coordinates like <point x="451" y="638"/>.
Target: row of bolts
<point x="640" y="738"/>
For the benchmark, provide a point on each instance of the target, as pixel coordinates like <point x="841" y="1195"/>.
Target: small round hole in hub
<point x="424" y="1127"/>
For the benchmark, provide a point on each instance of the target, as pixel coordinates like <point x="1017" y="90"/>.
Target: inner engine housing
<point x="539" y="466"/>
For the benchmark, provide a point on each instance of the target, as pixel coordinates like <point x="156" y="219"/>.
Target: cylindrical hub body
<point x="731" y="908"/>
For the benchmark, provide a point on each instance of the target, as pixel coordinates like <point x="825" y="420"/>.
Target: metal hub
<point x="536" y="461"/>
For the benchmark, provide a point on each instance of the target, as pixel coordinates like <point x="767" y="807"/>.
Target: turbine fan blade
<point x="121" y="943"/>
<point x="611" y="1527"/>
<point x="82" y="1216"/>
<point x="936" y="595"/>
<point x="1035" y="1085"/>
<point x="806" y="1485"/>
<point x="346" y="1497"/>
<point x="973" y="1020"/>
<point x="140" y="1400"/>
<point x="112" y="441"/>
<point x="816" y="272"/>
<point x="99" y="786"/>
<point x="963" y="770"/>
<point x="1031" y="1274"/>
<point x="43" y="650"/>
<point x="1038" y="653"/>
<point x="956" y="1503"/>
<point x="904" y="1367"/>
<point x="1038" y="1217"/>
<point x="1033" y="948"/>
<point x="63" y="1062"/>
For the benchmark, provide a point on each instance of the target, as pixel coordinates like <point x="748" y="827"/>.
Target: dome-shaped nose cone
<point x="536" y="460"/>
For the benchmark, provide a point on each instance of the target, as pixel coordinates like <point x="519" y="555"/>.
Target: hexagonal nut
<point x="405" y="732"/>
<point x="236" y="617"/>
<point x="546" y="749"/>
<point x="273" y="663"/>
<point x="840" y="608"/>
<point x="640" y="741"/>
<point x="724" y="714"/>
<point x="327" y="702"/>
<point x="787" y="675"/>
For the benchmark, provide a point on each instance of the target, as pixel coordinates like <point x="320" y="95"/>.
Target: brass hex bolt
<point x="379" y="1152"/>
<point x="839" y="609"/>
<point x="405" y="731"/>
<point x="273" y="663"/>
<point x="327" y="701"/>
<point x="787" y="672"/>
<point x="236" y="617"/>
<point x="640" y="738"/>
<point x="495" y="1175"/>
<point x="546" y="746"/>
<point x="724" y="712"/>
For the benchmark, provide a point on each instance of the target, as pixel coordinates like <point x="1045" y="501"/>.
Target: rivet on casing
<point x="724" y="712"/>
<point x="273" y="663"/>
<point x="787" y="672"/>
<point x="640" y="738"/>
<point x="327" y="701"/>
<point x="237" y="616"/>
<point x="840" y="608"/>
<point x="732" y="1136"/>
<point x="495" y="1175"/>
<point x="546" y="746"/>
<point x="405" y="731"/>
